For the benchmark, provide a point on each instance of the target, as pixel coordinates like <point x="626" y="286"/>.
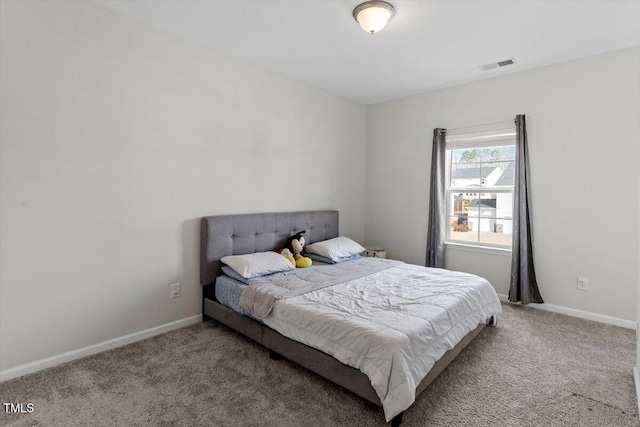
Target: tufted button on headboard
<point x="224" y="235"/>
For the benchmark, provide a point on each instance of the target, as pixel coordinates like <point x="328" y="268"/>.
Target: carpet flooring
<point x="535" y="369"/>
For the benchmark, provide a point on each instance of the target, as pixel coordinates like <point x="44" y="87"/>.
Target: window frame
<point x="486" y="139"/>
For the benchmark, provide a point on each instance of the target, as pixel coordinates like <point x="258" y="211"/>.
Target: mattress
<point x="228" y="292"/>
<point x="392" y="324"/>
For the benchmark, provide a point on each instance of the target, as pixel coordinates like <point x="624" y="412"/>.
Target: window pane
<point x="472" y="203"/>
<point x="496" y="231"/>
<point x="466" y="175"/>
<point x="486" y="174"/>
<point x="458" y="218"/>
<point x="498" y="153"/>
<point x="462" y="229"/>
<point x="466" y="155"/>
<point x="458" y="204"/>
<point x="482" y="205"/>
<point x="496" y="173"/>
<point x="481" y="218"/>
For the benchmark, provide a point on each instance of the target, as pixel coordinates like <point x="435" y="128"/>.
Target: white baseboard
<point x="636" y="381"/>
<point x="38" y="365"/>
<point x="629" y="324"/>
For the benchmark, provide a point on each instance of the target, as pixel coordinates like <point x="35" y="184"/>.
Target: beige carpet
<point x="535" y="369"/>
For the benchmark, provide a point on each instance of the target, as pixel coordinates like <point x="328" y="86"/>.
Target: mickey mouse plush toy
<point x="295" y="244"/>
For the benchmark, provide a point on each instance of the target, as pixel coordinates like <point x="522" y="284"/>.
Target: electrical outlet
<point x="583" y="283"/>
<point x="176" y="290"/>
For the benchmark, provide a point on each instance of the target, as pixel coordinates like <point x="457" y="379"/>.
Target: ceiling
<point x="427" y="45"/>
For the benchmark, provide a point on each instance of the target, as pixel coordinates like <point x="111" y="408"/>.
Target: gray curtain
<point x="524" y="286"/>
<point x="436" y="230"/>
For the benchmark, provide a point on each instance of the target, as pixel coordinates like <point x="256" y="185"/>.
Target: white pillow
<point x="258" y="264"/>
<point x="335" y="249"/>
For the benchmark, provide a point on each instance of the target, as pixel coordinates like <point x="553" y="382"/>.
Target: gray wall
<point x="583" y="122"/>
<point x="115" y="138"/>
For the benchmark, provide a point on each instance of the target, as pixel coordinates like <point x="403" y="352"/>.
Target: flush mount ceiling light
<point x="373" y="15"/>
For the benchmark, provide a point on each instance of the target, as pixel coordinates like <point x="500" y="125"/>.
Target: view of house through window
<point x="479" y="190"/>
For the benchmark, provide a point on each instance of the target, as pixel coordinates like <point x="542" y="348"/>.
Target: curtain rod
<point x="480" y="126"/>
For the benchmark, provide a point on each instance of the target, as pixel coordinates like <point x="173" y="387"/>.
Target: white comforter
<point x="392" y="325"/>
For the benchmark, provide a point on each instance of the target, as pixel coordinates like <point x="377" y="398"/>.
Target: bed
<point x="250" y="233"/>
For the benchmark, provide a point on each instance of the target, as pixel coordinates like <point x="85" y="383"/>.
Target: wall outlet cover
<point x="176" y="290"/>
<point x="583" y="283"/>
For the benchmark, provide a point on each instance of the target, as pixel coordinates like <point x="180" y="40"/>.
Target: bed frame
<point x="248" y="233"/>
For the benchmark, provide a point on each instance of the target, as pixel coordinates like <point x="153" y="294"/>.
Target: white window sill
<point x="477" y="248"/>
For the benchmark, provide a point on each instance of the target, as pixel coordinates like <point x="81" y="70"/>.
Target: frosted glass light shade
<point x="373" y="15"/>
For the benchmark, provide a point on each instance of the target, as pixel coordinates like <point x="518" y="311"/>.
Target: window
<point x="479" y="186"/>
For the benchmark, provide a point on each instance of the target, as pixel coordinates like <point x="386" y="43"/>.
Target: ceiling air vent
<point x="497" y="64"/>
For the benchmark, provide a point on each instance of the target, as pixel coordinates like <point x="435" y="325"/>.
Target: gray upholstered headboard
<point x="248" y="233"/>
